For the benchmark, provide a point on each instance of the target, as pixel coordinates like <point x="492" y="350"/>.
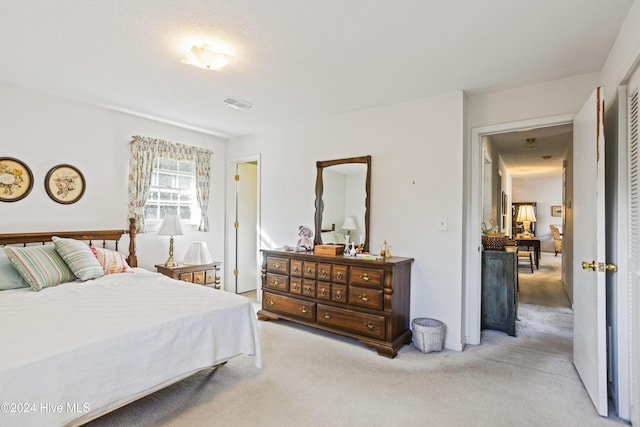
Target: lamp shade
<point x="170" y="226"/>
<point x="198" y="254"/>
<point x="525" y="213"/>
<point x="349" y="224"/>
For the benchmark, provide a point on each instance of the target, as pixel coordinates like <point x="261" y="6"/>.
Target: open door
<point x="589" y="265"/>
<point x="246" y="219"/>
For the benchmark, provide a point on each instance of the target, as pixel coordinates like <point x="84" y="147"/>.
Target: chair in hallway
<point x="557" y="238"/>
<point x="521" y="254"/>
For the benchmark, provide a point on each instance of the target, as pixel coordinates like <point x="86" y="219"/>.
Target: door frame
<point x="473" y="246"/>
<point x="230" y="217"/>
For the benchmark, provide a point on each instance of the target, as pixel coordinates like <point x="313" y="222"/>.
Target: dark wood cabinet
<point x="500" y="291"/>
<point x="363" y="299"/>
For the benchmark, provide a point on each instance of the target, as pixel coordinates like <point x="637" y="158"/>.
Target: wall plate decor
<point x="64" y="184"/>
<point x="16" y="180"/>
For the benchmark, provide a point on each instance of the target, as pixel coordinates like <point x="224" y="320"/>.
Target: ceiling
<point x="295" y="60"/>
<point x="542" y="160"/>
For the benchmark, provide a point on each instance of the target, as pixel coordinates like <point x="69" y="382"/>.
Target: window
<point x="172" y="191"/>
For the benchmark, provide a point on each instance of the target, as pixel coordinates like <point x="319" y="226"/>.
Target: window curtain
<point x="144" y="152"/>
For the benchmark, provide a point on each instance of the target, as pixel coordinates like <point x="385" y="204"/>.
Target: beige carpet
<point x="317" y="379"/>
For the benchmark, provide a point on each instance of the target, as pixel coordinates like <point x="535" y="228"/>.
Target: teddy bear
<point x="304" y="243"/>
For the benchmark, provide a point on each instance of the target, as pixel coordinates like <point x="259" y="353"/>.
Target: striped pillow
<point x="78" y="257"/>
<point x="111" y="261"/>
<point x="40" y="266"/>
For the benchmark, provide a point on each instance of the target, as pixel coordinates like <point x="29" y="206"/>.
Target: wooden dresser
<point x="363" y="299"/>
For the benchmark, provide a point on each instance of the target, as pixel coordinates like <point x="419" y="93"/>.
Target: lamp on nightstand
<point x="170" y="227"/>
<point x="349" y="224"/>
<point x="197" y="254"/>
<point x="526" y="216"/>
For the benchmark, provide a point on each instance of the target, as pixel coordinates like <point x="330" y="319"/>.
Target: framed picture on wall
<point x="16" y="180"/>
<point x="64" y="184"/>
<point x="556" y="210"/>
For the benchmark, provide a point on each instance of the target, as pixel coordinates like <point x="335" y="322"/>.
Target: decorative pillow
<point x="40" y="266"/>
<point x="9" y="276"/>
<point x="78" y="257"/>
<point x="111" y="261"/>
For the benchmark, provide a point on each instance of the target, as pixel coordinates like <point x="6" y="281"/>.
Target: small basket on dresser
<point x="428" y="334"/>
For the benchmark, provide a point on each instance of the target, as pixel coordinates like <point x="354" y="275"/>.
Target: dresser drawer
<point x="295" y="285"/>
<point x="277" y="265"/>
<point x="324" y="271"/>
<point x="351" y="321"/>
<point x="198" y="277"/>
<point x="309" y="288"/>
<point x="186" y="277"/>
<point x="339" y="293"/>
<point x="277" y="281"/>
<point x="296" y="267"/>
<point x="365" y="297"/>
<point x="370" y="277"/>
<point x="309" y="269"/>
<point x="323" y="290"/>
<point x="209" y="277"/>
<point x="289" y="306"/>
<point x="339" y="274"/>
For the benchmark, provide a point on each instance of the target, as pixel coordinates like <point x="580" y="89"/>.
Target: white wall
<point x="419" y="142"/>
<point x="43" y="131"/>
<point x="545" y="192"/>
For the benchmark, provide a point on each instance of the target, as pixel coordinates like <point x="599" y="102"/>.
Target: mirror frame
<point x="320" y="165"/>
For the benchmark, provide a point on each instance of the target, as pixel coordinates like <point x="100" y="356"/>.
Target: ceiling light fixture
<point x="204" y="56"/>
<point x="530" y="144"/>
<point x="236" y="103"/>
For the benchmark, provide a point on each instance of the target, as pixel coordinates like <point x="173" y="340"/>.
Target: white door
<point x="589" y="290"/>
<point x="246" y="232"/>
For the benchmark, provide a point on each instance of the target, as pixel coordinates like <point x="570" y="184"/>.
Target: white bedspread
<point x="81" y="348"/>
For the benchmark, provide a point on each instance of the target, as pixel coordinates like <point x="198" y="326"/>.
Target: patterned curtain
<point x="203" y="182"/>
<point x="142" y="156"/>
<point x="144" y="152"/>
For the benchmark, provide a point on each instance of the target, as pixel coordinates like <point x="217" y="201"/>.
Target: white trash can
<point x="428" y="334"/>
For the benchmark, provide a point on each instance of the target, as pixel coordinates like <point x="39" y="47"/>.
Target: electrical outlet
<point x="442" y="223"/>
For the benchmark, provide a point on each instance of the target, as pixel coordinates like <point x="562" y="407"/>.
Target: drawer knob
<point x="307" y="289"/>
<point x="303" y="309"/>
<point x="198" y="280"/>
<point x="324" y="273"/>
<point x="270" y="302"/>
<point x="338" y="295"/>
<point x="323" y="292"/>
<point x="326" y="315"/>
<point x="295" y="269"/>
<point x="296" y="287"/>
<point x="276" y="282"/>
<point x="364" y="297"/>
<point x="308" y="270"/>
<point x="369" y="324"/>
<point x="276" y="265"/>
<point x="339" y="275"/>
<point x="365" y="277"/>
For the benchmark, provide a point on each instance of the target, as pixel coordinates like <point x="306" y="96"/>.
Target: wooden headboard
<point x="90" y="236"/>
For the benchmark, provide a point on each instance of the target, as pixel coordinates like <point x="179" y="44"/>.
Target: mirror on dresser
<point x="343" y="188"/>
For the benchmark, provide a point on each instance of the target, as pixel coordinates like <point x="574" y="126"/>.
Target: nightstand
<point x="203" y="274"/>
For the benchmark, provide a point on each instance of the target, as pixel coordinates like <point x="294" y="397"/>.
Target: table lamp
<point x="349" y="224"/>
<point x="170" y="227"/>
<point x="526" y="216"/>
<point x="197" y="254"/>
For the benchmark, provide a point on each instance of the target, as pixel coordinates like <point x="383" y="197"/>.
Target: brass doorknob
<point x="586" y="265"/>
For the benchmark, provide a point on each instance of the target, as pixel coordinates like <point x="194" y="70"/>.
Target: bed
<point x="73" y="352"/>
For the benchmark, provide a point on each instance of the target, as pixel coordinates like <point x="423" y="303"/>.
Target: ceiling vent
<point x="238" y="104"/>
